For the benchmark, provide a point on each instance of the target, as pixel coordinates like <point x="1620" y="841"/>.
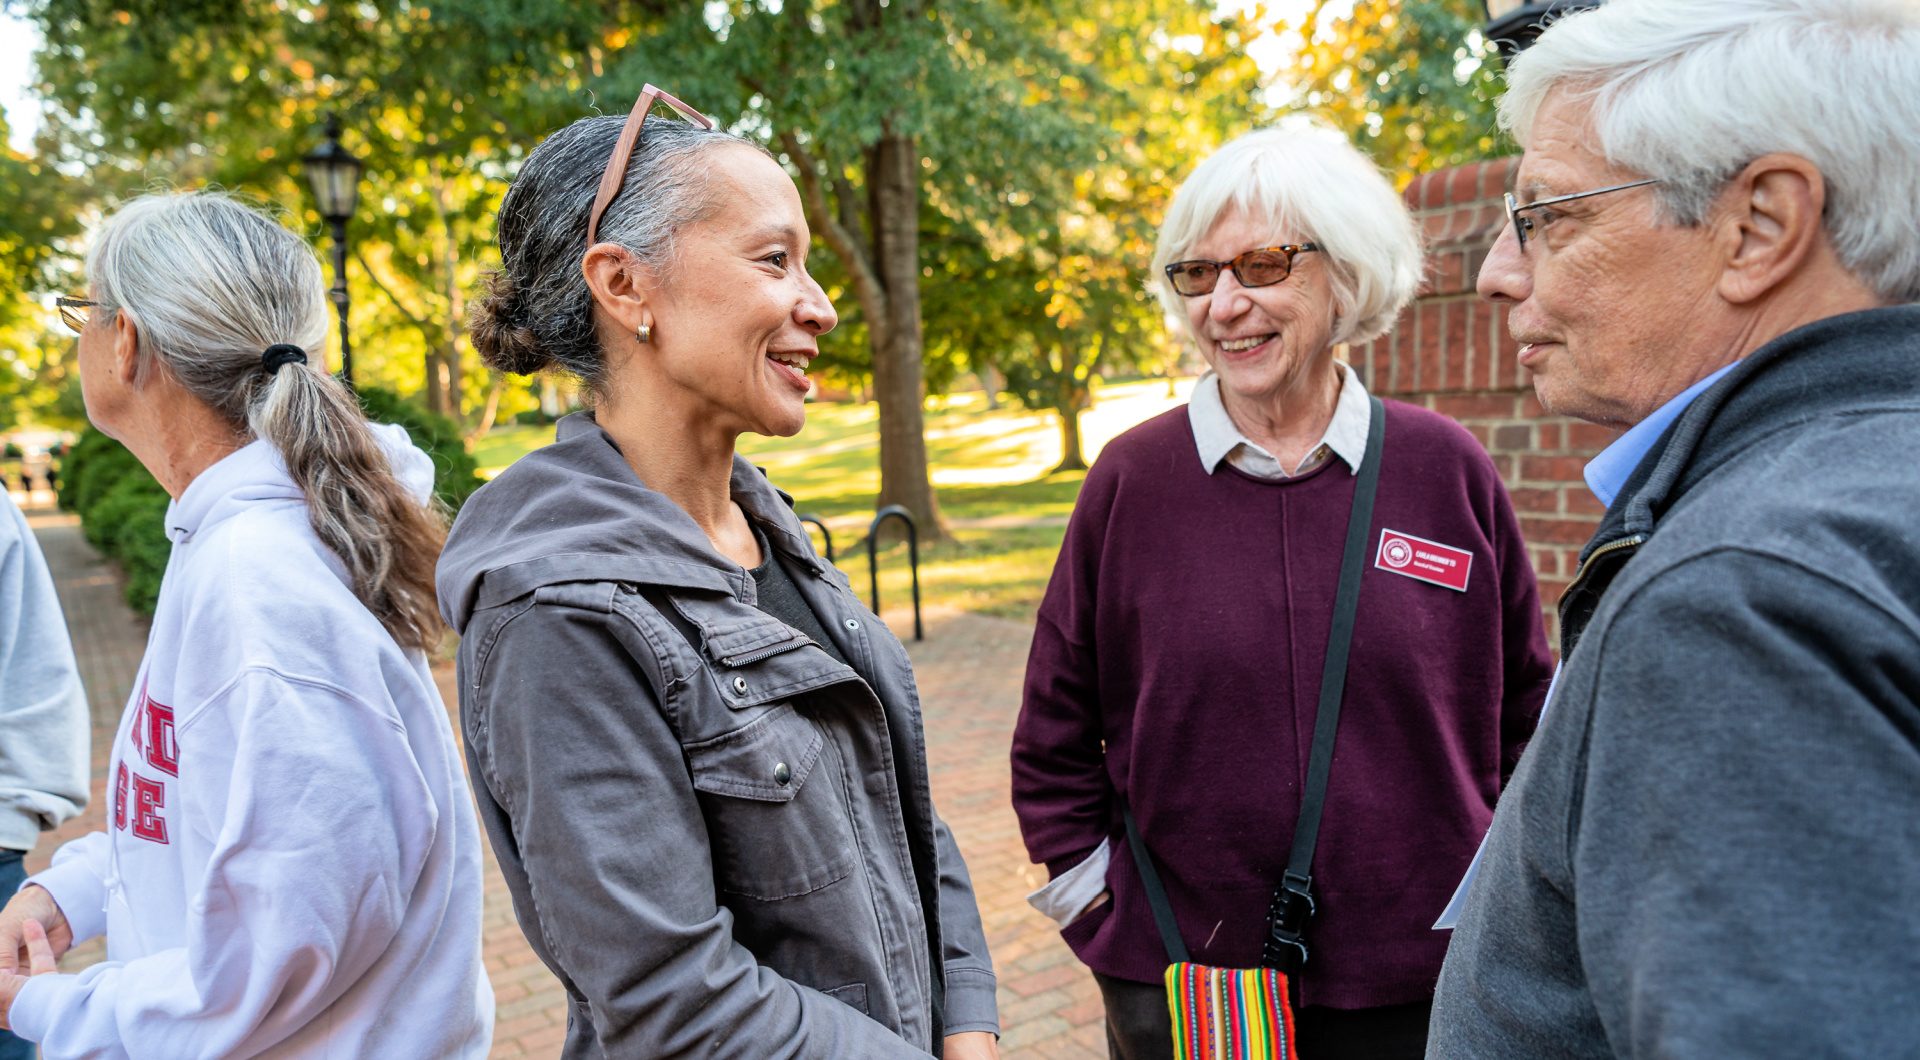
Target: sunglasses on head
<point x="616" y="174"/>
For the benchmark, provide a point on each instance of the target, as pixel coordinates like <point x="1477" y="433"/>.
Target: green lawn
<point x="997" y="572"/>
<point x="987" y="466"/>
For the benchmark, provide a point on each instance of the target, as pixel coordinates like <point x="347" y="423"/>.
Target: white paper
<point x="1068" y="896"/>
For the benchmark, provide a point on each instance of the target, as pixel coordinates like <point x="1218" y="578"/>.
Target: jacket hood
<point x="1851" y="363"/>
<point x="575" y="511"/>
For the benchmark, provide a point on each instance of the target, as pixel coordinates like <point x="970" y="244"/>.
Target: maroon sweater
<point x="1176" y="664"/>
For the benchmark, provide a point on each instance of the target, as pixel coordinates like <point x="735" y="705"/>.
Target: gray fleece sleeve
<point x="1746" y="842"/>
<point x="44" y="735"/>
<point x="971" y="1005"/>
<point x="574" y="748"/>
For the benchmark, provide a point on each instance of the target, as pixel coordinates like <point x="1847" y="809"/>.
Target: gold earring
<point x="644" y="333"/>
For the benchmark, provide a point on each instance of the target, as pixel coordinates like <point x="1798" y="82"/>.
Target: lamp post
<point x="1515" y="24"/>
<point x="335" y="175"/>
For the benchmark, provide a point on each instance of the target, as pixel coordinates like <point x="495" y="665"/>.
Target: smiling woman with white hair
<point x="1221" y="563"/>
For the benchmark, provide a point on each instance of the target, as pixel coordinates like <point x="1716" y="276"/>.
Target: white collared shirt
<point x="1218" y="439"/>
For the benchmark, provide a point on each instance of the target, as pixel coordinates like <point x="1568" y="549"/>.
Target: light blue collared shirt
<point x="1607" y="473"/>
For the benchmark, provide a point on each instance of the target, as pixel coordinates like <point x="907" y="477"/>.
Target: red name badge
<point x="1428" y="561"/>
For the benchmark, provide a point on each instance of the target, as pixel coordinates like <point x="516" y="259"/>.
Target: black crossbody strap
<point x="1156" y="894"/>
<point x="1293" y="902"/>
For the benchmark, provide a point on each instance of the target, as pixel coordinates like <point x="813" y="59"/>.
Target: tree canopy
<point x="985" y="176"/>
<point x="1411" y="82"/>
<point x="40" y="212"/>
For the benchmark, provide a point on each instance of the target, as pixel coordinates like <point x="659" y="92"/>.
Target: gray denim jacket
<point x="719" y="838"/>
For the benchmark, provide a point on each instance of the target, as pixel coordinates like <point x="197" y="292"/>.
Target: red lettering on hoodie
<point x="149" y="796"/>
<point x="153" y="734"/>
<point x="161" y="749"/>
<point x="120" y="798"/>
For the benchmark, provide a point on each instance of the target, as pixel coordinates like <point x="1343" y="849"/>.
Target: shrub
<point x="123" y="509"/>
<point x="91" y="469"/>
<point x="129" y="523"/>
<point x="455" y="475"/>
<point x="123" y="512"/>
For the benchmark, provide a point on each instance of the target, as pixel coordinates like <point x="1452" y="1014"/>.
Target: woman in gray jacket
<point x="698" y="757"/>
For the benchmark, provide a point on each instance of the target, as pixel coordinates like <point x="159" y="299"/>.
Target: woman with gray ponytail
<point x="290" y="866"/>
<point x="698" y="757"/>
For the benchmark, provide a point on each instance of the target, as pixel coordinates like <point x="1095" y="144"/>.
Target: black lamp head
<point x="1516" y="24"/>
<point x="335" y="175"/>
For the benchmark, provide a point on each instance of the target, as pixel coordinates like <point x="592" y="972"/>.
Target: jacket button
<point x="853" y="623"/>
<point x="781" y="774"/>
<point x="740" y="685"/>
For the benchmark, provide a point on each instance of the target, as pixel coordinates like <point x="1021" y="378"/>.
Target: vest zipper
<point x="1611" y="546"/>
<point x="1574" y="599"/>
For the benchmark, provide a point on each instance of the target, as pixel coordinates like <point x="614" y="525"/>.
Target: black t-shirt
<point x="781" y="598"/>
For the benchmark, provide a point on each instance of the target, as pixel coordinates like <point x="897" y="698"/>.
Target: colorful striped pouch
<point x="1229" y="1013"/>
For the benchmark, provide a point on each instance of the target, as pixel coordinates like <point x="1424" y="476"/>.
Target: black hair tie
<point x="281" y="353"/>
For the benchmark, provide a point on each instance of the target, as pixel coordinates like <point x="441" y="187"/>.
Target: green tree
<point x="39" y="218"/>
<point x="231" y="92"/>
<point x="892" y="114"/>
<point x="986" y="175"/>
<point x="1411" y="82"/>
<point x="867" y="100"/>
<point x="1165" y="82"/>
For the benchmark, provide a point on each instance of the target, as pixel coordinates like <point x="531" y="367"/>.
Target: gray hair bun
<point x="503" y="341"/>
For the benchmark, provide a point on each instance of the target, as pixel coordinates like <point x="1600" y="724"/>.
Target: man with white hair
<point x="1712" y="845"/>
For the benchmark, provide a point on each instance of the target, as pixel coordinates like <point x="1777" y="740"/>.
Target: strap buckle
<point x="1286" y="922"/>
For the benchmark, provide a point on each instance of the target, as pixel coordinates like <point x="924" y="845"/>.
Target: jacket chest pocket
<point x="777" y="824"/>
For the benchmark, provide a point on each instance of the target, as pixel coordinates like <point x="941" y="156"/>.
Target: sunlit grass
<point x="504" y="445"/>
<point x="1000" y="572"/>
<point x="1050" y="495"/>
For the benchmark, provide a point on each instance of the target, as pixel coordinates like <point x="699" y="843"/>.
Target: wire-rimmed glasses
<point x="1523" y="225"/>
<point x="616" y="174"/>
<point x="1262" y="267"/>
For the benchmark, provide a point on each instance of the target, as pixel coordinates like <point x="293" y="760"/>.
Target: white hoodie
<point x="44" y="734"/>
<point x="292" y="865"/>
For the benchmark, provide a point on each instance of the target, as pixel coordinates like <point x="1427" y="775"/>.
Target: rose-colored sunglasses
<point x="616" y="174"/>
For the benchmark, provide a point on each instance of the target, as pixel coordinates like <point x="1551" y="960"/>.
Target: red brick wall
<point x="1450" y="352"/>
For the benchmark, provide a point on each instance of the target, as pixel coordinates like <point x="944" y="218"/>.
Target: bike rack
<point x="892" y="511"/>
<point x="825" y="534"/>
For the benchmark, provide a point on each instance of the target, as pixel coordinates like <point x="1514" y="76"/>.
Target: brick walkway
<point x="969" y="671"/>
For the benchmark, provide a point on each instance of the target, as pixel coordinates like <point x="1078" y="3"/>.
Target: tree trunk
<point x="435" y="390"/>
<point x="491" y="411"/>
<point x="991" y="382"/>
<point x="450" y="361"/>
<point x="1072" y="455"/>
<point x="456" y="323"/>
<point x="897" y="349"/>
<point x="885" y="270"/>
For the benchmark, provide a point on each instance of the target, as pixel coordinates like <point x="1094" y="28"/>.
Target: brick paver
<point x="969" y="670"/>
